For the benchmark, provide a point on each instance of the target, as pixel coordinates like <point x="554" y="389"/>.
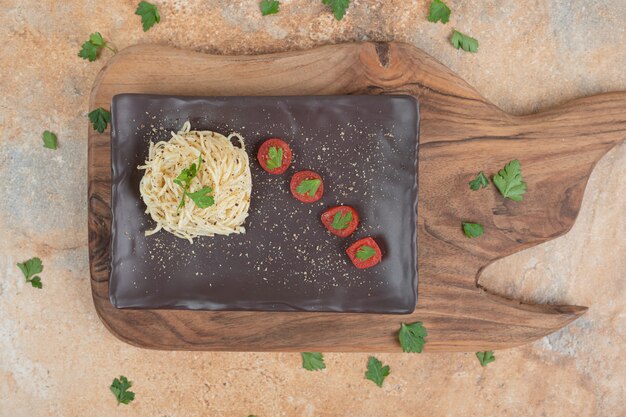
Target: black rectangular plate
<point x="365" y="149"/>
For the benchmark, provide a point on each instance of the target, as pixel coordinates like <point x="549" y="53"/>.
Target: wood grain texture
<point x="461" y="133"/>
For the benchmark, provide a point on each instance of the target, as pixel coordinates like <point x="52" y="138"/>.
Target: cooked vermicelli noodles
<point x="224" y="168"/>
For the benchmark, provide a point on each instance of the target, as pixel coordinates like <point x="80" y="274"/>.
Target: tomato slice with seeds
<point x="307" y="186"/>
<point x="274" y="156"/>
<point x="341" y="221"/>
<point x="364" y="253"/>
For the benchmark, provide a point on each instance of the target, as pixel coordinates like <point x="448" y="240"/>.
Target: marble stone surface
<point x="56" y="358"/>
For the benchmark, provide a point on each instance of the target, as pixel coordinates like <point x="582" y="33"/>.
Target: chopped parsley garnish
<point x="481" y="180"/>
<point x="308" y="187"/>
<point x="439" y="11"/>
<point x="313" y="361"/>
<point x="376" y="372"/>
<point x="509" y="181"/>
<point x="275" y="157"/>
<point x="485" y="357"/>
<point x="100" y="118"/>
<point x="30" y="269"/>
<point x="342" y="221"/>
<point x="412" y="337"/>
<point x="365" y="252"/>
<point x="93" y="46"/>
<point x="200" y="197"/>
<point x="269" y="7"/>
<point x="149" y="14"/>
<point x="472" y="230"/>
<point x="49" y="140"/>
<point x="338" y="7"/>
<point x="465" y="42"/>
<point x="120" y="387"/>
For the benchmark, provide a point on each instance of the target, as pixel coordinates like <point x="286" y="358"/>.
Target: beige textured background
<point x="56" y="359"/>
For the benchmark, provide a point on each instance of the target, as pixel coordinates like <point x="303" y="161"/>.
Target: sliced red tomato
<point x="341" y="220"/>
<point x="307" y="186"/>
<point x="364" y="253"/>
<point x="269" y="156"/>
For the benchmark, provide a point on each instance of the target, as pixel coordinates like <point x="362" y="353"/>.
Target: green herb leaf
<point x="120" y="387"/>
<point x="100" y="118"/>
<point x="509" y="181"/>
<point x="184" y="180"/>
<point x="365" y="252"/>
<point x="96" y="39"/>
<point x="438" y="12"/>
<point x="308" y="186"/>
<point x="187" y="174"/>
<point x="338" y="7"/>
<point x="472" y="230"/>
<point x="481" y="180"/>
<point x="412" y="337"/>
<point x="92" y="47"/>
<point x="89" y="51"/>
<point x="275" y="157"/>
<point x="30" y="268"/>
<point x="340" y="221"/>
<point x="376" y="372"/>
<point x="49" y="140"/>
<point x="485" y="357"/>
<point x="201" y="197"/>
<point x="269" y="7"/>
<point x="149" y="14"/>
<point x="313" y="361"/>
<point x="465" y="42"/>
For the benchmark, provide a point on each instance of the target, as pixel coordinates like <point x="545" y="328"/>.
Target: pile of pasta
<point x="224" y="168"/>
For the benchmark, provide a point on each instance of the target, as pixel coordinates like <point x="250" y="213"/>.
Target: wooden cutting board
<point x="461" y="133"/>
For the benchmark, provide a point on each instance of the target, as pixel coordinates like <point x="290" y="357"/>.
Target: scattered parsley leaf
<point x="92" y="47"/>
<point x="119" y="388"/>
<point x="481" y="180"/>
<point x="340" y="221"/>
<point x="412" y="337"/>
<point x="49" y="140"/>
<point x="465" y="42"/>
<point x="509" y="181"/>
<point x="439" y="11"/>
<point x="201" y="197"/>
<point x="472" y="230"/>
<point x="365" y="252"/>
<point x="376" y="372"/>
<point x="96" y="39"/>
<point x="100" y="118"/>
<point x="308" y="186"/>
<point x="149" y="14"/>
<point x="30" y="268"/>
<point x="338" y="7"/>
<point x="313" y="361"/>
<point x="269" y="7"/>
<point x="251" y="415"/>
<point x="89" y="51"/>
<point x="275" y="157"/>
<point x="36" y="282"/>
<point x="485" y="357"/>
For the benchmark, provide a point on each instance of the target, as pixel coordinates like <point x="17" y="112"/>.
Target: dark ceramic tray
<point x="365" y="148"/>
